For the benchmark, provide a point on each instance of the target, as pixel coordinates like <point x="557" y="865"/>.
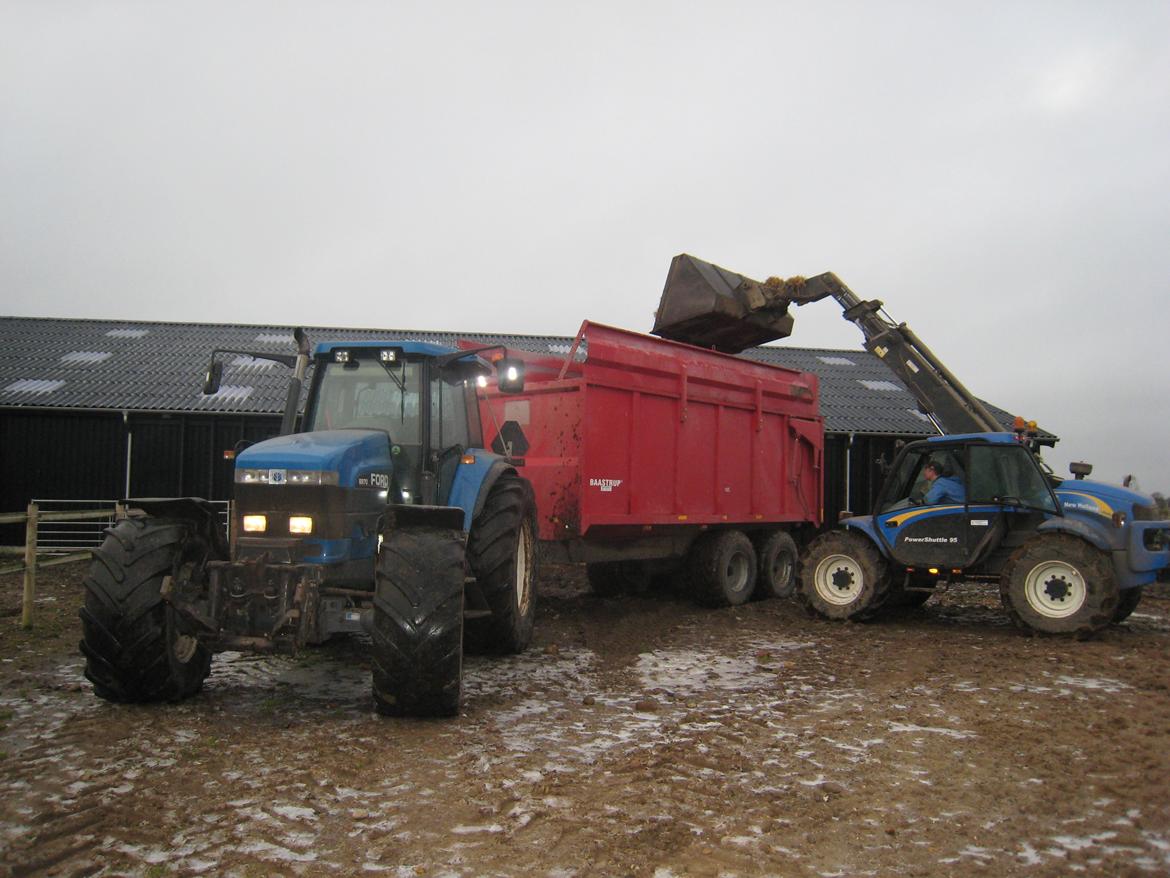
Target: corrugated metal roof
<point x="116" y="365"/>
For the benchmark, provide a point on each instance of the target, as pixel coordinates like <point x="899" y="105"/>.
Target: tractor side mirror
<point x="214" y="376"/>
<point x="510" y="375"/>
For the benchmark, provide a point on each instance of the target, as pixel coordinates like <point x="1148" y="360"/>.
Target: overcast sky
<point x="997" y="173"/>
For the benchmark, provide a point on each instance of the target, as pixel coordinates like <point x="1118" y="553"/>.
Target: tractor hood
<point x="1085" y="496"/>
<point x="351" y="454"/>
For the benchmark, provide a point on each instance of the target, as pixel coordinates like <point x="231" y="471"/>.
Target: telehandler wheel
<point x="1059" y="584"/>
<point x="723" y="569"/>
<point x="417" y="638"/>
<point x="136" y="647"/>
<point x="776" y="563"/>
<point x="843" y="576"/>
<point x="501" y="552"/>
<point x="613" y="578"/>
<point x="1127" y="603"/>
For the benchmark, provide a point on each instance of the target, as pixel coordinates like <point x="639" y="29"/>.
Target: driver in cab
<point x="943" y="489"/>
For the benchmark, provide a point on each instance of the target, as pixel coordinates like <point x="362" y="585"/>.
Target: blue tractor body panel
<point x="349" y="453"/>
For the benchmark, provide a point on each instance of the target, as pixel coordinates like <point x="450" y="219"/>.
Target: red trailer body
<point x="635" y="445"/>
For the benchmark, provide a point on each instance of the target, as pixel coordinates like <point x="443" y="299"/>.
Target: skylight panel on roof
<point x="246" y="362"/>
<point x="879" y="385"/>
<point x="836" y="361"/>
<point x="34" y="385"/>
<point x="128" y="333"/>
<point x="231" y="393"/>
<point x="275" y="338"/>
<point x="85" y="358"/>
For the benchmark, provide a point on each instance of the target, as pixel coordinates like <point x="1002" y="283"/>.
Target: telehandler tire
<point x="501" y="552"/>
<point x="723" y="569"/>
<point x="843" y="576"/>
<point x="776" y="564"/>
<point x="417" y="638"/>
<point x="1059" y="584"/>
<point x="1127" y="603"/>
<point x="136" y="647"/>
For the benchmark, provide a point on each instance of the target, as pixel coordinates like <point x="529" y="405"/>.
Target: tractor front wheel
<point x="843" y="577"/>
<point x="417" y="639"/>
<point x="136" y="647"/>
<point x="1059" y="584"/>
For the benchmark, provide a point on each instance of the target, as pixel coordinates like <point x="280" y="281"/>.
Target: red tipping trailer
<point x="646" y="453"/>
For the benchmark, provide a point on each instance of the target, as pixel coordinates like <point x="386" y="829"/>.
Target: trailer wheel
<point x="1127" y="603"/>
<point x="417" y="638"/>
<point x="613" y="578"/>
<point x="777" y="561"/>
<point x="843" y="577"/>
<point x="501" y="552"/>
<point x="723" y="569"/>
<point x="136" y="647"/>
<point x="1059" y="584"/>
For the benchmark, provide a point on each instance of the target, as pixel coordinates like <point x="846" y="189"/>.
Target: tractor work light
<point x="255" y="524"/>
<point x="388" y="355"/>
<point x="340" y="356"/>
<point x="286" y="477"/>
<point x="300" y="524"/>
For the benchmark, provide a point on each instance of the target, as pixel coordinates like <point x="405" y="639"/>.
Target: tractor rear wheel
<point x="417" y="639"/>
<point x="777" y="560"/>
<point x="723" y="569"/>
<point x="501" y="552"/>
<point x="136" y="647"/>
<point x="843" y="577"/>
<point x="1127" y="603"/>
<point x="1059" y="584"/>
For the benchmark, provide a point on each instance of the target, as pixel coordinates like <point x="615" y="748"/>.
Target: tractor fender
<point x="864" y="524"/>
<point x="473" y="481"/>
<point x="1074" y="527"/>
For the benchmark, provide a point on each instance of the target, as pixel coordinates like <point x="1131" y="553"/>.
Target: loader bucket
<point x="711" y="307"/>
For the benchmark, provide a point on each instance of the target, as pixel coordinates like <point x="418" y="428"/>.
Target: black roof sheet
<point x="147" y="366"/>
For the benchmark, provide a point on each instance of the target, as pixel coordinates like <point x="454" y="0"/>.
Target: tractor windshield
<point x="369" y="394"/>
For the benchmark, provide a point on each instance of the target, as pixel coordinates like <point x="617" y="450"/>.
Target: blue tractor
<point x="1069" y="555"/>
<point x="383" y="514"/>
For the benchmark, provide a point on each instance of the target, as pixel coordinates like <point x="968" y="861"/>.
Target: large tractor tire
<point x="844" y="577"/>
<point x="1059" y="584"/>
<point x="776" y="562"/>
<point x="501" y="552"/>
<point x="417" y="639"/>
<point x="723" y="569"/>
<point x="1127" y="603"/>
<point x="136" y="647"/>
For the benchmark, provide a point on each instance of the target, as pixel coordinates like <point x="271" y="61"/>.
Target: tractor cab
<point x="419" y="395"/>
<point x="950" y="501"/>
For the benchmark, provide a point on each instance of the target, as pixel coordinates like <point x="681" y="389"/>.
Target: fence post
<point x="30" y="567"/>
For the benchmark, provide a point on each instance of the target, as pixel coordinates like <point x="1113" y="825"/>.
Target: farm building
<point x="101" y="410"/>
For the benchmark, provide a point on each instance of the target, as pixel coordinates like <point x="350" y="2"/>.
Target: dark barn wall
<point x="62" y="455"/>
<point x="867" y="459"/>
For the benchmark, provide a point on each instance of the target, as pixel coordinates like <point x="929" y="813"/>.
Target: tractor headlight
<point x="300" y="524"/>
<point x="254" y="524"/>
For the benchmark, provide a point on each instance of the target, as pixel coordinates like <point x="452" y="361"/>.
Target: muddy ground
<point x="640" y="736"/>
